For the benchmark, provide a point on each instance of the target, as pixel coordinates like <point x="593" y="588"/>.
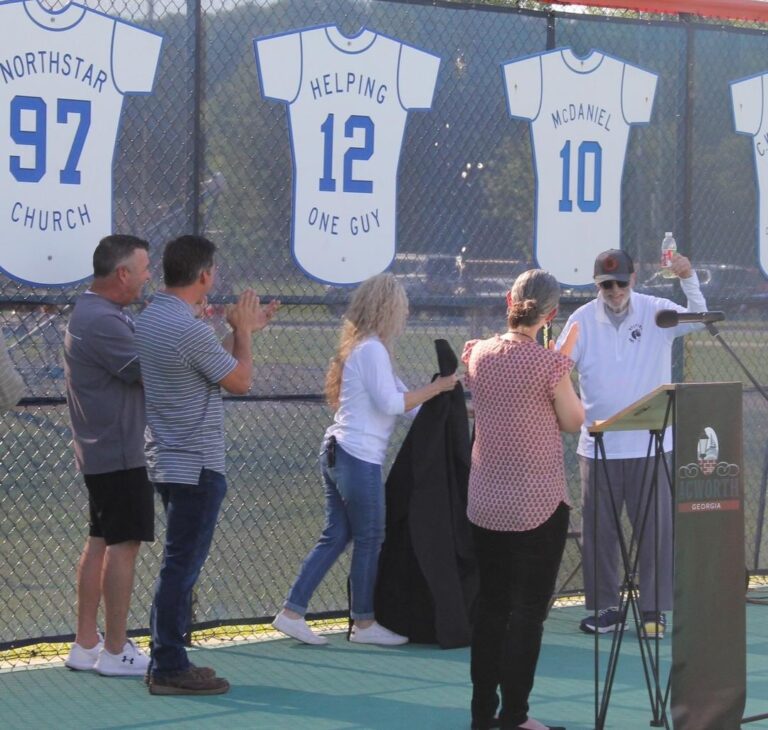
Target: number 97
<point x="37" y="136"/>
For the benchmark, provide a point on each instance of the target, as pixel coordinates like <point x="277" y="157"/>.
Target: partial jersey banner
<point x="348" y="99"/>
<point x="63" y="77"/>
<point x="750" y="117"/>
<point x="580" y="110"/>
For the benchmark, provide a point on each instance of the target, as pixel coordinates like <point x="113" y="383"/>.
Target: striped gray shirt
<point x="182" y="362"/>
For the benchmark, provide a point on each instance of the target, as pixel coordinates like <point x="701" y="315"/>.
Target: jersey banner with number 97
<point x="580" y="111"/>
<point x="348" y="99"/>
<point x="63" y="77"/>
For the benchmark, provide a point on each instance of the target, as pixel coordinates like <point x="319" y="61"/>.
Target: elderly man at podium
<point x="621" y="355"/>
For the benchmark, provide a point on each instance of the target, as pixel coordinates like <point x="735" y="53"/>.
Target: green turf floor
<point x="282" y="684"/>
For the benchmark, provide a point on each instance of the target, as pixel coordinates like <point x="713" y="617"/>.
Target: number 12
<point x="362" y="153"/>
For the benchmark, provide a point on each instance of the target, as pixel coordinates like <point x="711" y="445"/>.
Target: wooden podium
<point x="707" y="680"/>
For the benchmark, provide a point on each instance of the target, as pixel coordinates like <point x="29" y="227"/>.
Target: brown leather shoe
<point x="204" y="672"/>
<point x="192" y="681"/>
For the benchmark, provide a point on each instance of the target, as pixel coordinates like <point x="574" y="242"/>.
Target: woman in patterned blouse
<point x="518" y="506"/>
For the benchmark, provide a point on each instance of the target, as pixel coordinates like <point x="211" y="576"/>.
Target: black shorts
<point x="122" y="506"/>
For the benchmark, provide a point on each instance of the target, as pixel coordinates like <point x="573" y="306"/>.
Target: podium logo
<point x="708" y="484"/>
<point x="708" y="450"/>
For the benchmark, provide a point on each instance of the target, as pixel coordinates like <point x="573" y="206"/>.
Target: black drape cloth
<point x="427" y="579"/>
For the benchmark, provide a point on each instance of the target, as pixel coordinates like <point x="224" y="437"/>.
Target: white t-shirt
<point x="580" y="110"/>
<point x="618" y="366"/>
<point x="372" y="396"/>
<point x="750" y="116"/>
<point x="63" y="77"/>
<point x="348" y="99"/>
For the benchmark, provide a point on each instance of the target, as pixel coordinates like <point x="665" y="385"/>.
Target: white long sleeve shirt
<point x="371" y="398"/>
<point x="618" y="366"/>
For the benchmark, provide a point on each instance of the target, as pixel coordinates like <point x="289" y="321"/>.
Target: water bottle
<point x="668" y="250"/>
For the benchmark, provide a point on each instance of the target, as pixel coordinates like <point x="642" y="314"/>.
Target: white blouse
<point x="372" y="396"/>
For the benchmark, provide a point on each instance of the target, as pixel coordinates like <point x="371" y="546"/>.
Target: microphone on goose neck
<point x="672" y="318"/>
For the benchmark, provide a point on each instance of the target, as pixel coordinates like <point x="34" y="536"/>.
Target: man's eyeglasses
<point x="607" y="285"/>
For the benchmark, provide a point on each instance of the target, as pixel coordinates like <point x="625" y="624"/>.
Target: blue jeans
<point x="191" y="511"/>
<point x="354" y="510"/>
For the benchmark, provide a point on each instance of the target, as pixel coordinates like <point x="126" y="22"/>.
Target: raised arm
<point x="245" y="317"/>
<point x="381" y="383"/>
<point x="689" y="282"/>
<point x="421" y="395"/>
<point x="568" y="408"/>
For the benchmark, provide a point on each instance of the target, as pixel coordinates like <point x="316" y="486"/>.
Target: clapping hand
<point x="248" y="314"/>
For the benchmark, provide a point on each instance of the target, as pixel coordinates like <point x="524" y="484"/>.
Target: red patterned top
<point x="517" y="478"/>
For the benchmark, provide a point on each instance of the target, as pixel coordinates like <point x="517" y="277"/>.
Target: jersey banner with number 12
<point x="348" y="99"/>
<point x="63" y="77"/>
<point x="580" y="110"/>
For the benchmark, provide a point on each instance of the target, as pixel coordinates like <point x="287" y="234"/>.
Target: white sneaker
<point x="376" y="634"/>
<point x="297" y="628"/>
<point x="82" y="659"/>
<point x="130" y="662"/>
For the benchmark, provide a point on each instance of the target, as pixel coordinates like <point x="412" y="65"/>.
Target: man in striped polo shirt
<point x="184" y="367"/>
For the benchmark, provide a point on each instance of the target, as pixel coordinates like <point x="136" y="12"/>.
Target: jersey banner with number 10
<point x="580" y="111"/>
<point x="63" y="77"/>
<point x="348" y="99"/>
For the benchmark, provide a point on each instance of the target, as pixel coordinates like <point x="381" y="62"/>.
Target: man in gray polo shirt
<point x="11" y="383"/>
<point x="106" y="407"/>
<point x="184" y="367"/>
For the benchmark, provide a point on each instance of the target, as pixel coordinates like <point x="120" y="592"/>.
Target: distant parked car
<point x="729" y="287"/>
<point x="432" y="277"/>
<point x="445" y="283"/>
<point x="572" y="297"/>
<point x="456" y="284"/>
<point x="492" y="278"/>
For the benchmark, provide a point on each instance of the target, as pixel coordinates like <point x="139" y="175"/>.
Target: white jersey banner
<point x="750" y="117"/>
<point x="348" y="99"/>
<point x="580" y="110"/>
<point x="63" y="76"/>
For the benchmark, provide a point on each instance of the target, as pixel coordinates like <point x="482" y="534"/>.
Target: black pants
<point x="517" y="578"/>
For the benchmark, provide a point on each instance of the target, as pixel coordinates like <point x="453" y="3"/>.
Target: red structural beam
<point x="732" y="9"/>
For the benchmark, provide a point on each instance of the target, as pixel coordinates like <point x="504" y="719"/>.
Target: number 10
<point x="589" y="151"/>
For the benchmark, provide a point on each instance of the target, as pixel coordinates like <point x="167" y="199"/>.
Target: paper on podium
<point x="646" y="414"/>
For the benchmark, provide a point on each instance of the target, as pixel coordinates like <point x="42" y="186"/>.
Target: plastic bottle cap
<point x="668" y="233"/>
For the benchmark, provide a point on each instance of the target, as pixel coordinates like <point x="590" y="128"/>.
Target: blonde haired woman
<point x="367" y="396"/>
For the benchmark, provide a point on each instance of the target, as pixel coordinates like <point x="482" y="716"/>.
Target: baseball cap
<point x="613" y="265"/>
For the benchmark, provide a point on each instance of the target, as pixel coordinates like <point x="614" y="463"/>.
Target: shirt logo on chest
<point x="635" y="332"/>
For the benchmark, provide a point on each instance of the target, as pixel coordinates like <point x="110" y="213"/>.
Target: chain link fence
<point x="205" y="152"/>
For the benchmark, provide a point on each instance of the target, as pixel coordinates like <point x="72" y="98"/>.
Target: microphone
<point x="672" y="318"/>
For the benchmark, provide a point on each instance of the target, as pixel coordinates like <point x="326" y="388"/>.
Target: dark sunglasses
<point x="609" y="284"/>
